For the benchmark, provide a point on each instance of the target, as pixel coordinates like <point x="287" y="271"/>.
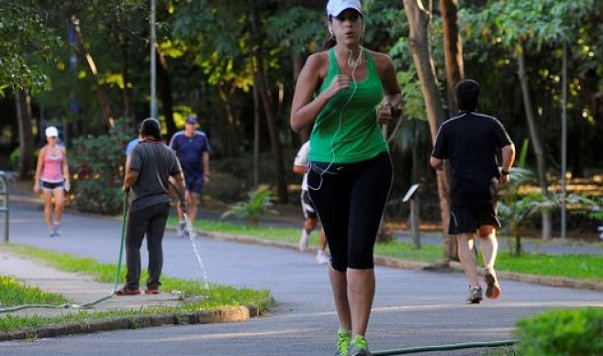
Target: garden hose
<point x="94" y="302"/>
<point x="446" y="347"/>
<point x="192" y="238"/>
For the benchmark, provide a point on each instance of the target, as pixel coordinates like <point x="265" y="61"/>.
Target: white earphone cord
<point x="353" y="64"/>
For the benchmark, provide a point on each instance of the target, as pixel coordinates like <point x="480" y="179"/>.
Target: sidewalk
<point x="299" y="285"/>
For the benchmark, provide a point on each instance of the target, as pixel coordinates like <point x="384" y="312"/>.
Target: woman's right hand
<point x="339" y="83"/>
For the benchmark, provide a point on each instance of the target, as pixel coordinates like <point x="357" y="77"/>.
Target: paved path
<point x="411" y="308"/>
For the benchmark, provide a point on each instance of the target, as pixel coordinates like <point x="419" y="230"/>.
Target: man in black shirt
<point x="470" y="143"/>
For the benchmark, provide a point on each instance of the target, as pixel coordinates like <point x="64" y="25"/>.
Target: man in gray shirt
<point x="150" y="166"/>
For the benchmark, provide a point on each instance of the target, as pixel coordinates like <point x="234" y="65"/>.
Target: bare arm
<point x="36" y="186"/>
<point x="436" y="163"/>
<point x="130" y="179"/>
<point x="305" y="107"/>
<point x="178" y="180"/>
<point x="391" y="88"/>
<point x="508" y="157"/>
<point x="300" y="169"/>
<point x="65" y="165"/>
<point x="206" y="166"/>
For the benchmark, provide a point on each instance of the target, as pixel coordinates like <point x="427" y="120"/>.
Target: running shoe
<point x="321" y="258"/>
<point x="57" y="229"/>
<point x="475" y="295"/>
<point x="359" y="346"/>
<point x="492" y="287"/>
<point x="343" y="342"/>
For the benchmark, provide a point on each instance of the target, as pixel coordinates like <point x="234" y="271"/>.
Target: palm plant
<point x="515" y="209"/>
<point x="259" y="203"/>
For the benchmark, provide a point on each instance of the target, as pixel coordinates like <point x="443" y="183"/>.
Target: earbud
<point x="331" y="31"/>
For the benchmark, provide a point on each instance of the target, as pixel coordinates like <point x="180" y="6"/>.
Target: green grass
<point x="217" y="296"/>
<point x="582" y="267"/>
<point x="12" y="293"/>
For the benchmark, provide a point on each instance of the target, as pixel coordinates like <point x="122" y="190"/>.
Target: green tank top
<point x="346" y="129"/>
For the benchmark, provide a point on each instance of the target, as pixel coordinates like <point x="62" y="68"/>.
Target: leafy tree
<point x="521" y="27"/>
<point x="29" y="44"/>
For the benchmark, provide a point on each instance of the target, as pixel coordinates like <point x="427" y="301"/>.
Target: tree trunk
<point x="26" y="140"/>
<point x="418" y="21"/>
<point x="455" y="71"/>
<point x="547" y="221"/>
<point x="228" y="134"/>
<point x="165" y="92"/>
<point x="256" y="137"/>
<point x="453" y="50"/>
<point x="261" y="82"/>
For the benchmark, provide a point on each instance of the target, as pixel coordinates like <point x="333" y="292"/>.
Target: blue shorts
<point x="194" y="182"/>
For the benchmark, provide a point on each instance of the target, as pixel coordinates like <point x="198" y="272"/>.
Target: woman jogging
<point x="350" y="168"/>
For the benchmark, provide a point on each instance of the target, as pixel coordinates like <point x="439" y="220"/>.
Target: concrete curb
<point x="397" y="263"/>
<point x="542" y="280"/>
<point x="224" y="315"/>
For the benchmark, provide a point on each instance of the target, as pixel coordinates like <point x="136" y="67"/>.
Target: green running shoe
<point x="359" y="346"/>
<point x="343" y="342"/>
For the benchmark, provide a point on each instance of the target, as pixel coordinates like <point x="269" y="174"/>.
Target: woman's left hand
<point x="384" y="114"/>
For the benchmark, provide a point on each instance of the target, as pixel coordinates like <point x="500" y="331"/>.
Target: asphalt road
<point x="412" y="307"/>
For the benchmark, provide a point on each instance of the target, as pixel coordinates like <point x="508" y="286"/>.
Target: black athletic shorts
<point x="467" y="215"/>
<point x="52" y="185"/>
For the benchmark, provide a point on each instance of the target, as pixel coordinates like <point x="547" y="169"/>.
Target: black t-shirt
<point x="470" y="143"/>
<point x="155" y="162"/>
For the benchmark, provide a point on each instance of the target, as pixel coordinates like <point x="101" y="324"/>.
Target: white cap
<point x="52" y="131"/>
<point x="336" y="7"/>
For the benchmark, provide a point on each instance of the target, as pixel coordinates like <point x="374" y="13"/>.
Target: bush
<point x="97" y="165"/>
<point x="259" y="203"/>
<point x="562" y="332"/>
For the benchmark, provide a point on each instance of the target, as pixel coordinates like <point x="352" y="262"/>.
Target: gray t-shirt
<point x="155" y="163"/>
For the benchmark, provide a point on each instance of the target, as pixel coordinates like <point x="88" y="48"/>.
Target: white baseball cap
<point x="52" y="131"/>
<point x="336" y="7"/>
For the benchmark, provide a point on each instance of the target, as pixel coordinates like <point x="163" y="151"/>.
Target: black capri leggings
<point x="350" y="199"/>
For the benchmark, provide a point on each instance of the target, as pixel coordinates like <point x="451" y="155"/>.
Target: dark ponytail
<point x="330" y="40"/>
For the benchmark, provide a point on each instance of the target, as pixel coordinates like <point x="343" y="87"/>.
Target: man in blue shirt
<point x="192" y="148"/>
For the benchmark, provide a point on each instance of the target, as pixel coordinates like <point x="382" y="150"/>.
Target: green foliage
<point x="562" y="332"/>
<point x="296" y="29"/>
<point x="260" y="203"/>
<point x="28" y="43"/>
<point x="533" y="22"/>
<point x="97" y="165"/>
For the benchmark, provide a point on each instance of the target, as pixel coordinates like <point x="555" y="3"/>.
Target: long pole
<point x="153" y="63"/>
<point x="564" y="144"/>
